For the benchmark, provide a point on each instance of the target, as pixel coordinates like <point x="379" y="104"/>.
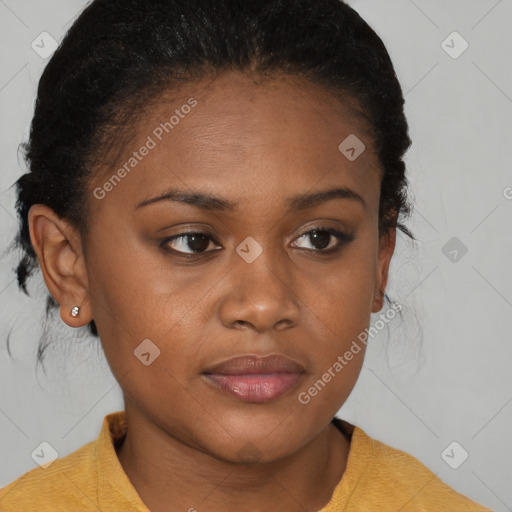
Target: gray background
<point x="438" y="375"/>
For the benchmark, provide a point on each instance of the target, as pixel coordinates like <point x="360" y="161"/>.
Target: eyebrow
<point x="295" y="203"/>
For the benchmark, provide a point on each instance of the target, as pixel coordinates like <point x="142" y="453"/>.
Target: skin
<point x="257" y="144"/>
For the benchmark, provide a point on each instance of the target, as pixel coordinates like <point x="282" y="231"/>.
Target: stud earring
<point x="74" y="311"/>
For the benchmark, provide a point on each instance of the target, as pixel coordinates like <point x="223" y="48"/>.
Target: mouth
<point x="256" y="379"/>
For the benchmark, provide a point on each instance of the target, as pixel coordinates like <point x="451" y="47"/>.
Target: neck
<point x="172" y="476"/>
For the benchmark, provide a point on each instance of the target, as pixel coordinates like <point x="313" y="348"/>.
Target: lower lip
<point x="257" y="388"/>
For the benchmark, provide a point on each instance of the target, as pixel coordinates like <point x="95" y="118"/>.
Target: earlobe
<point x="378" y="301"/>
<point x="59" y="252"/>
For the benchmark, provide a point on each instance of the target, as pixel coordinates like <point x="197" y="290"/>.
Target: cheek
<point x="134" y="287"/>
<point x="344" y="307"/>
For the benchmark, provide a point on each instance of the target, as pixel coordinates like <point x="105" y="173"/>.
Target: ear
<point x="386" y="248"/>
<point x="58" y="247"/>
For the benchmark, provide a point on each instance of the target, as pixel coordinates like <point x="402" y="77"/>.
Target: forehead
<point x="235" y="110"/>
<point x="244" y="136"/>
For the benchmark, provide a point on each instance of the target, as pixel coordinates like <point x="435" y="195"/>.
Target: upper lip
<point x="254" y="364"/>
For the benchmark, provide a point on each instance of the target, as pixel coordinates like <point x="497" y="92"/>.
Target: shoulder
<point x="380" y="477"/>
<point x="89" y="479"/>
<point x="68" y="483"/>
<point x="405" y="480"/>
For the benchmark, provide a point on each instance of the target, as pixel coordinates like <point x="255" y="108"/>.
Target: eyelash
<point x="343" y="239"/>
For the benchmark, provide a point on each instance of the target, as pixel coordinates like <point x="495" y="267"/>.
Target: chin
<point x="256" y="450"/>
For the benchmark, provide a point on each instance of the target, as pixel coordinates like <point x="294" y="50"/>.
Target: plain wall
<point x="442" y="372"/>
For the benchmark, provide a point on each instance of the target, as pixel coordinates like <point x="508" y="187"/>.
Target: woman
<point x="214" y="190"/>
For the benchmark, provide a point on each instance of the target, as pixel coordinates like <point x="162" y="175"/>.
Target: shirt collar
<point x="115" y="490"/>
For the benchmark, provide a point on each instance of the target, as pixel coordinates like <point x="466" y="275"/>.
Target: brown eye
<point x="321" y="239"/>
<point x="192" y="242"/>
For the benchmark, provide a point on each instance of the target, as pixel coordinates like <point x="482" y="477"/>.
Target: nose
<point x="260" y="295"/>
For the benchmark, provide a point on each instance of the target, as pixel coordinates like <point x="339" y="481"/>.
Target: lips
<point x="252" y="378"/>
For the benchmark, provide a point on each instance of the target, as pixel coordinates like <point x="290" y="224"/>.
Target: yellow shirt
<point x="378" y="478"/>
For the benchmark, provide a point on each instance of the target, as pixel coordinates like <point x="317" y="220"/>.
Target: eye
<point x="196" y="241"/>
<point x="320" y="239"/>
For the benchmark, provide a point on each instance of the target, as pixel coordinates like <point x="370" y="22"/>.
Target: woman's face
<point x="257" y="282"/>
